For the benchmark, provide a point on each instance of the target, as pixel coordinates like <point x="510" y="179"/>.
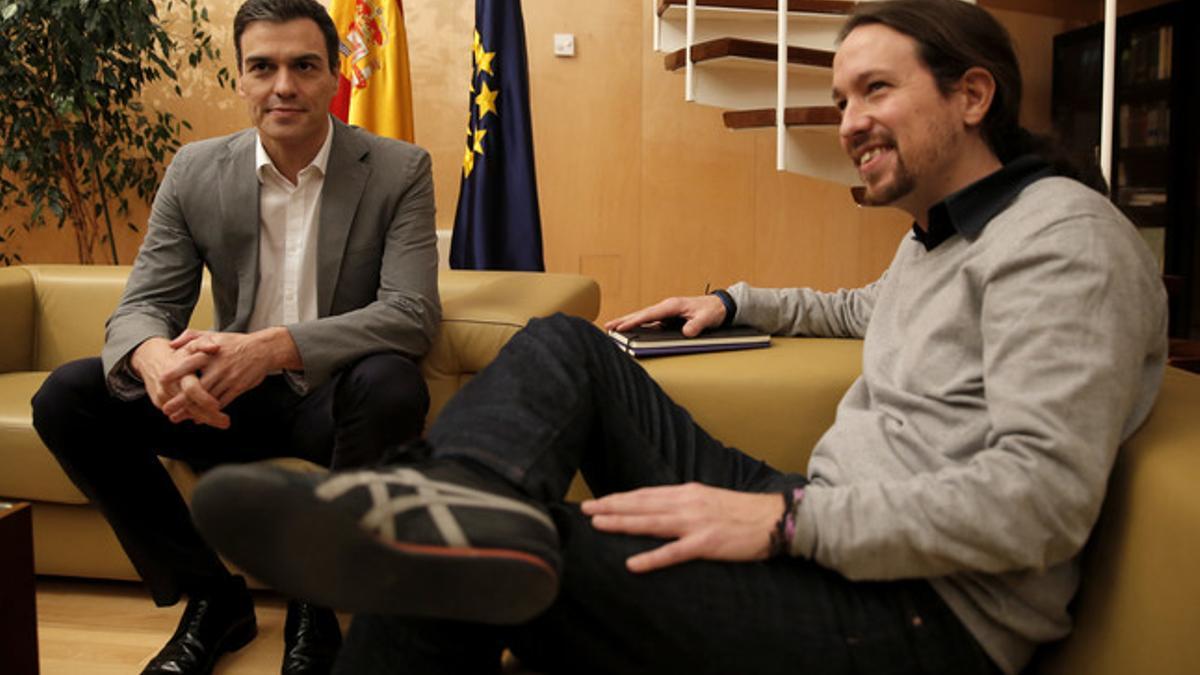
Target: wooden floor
<point x="103" y="628"/>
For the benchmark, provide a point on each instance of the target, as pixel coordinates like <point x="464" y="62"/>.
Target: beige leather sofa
<point x="1139" y="608"/>
<point x="1138" y="611"/>
<point x="52" y="314"/>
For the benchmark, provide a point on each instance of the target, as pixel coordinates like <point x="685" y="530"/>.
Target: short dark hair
<point x="280" y="11"/>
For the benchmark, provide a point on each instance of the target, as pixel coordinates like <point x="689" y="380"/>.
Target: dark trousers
<point x="110" y="448"/>
<point x="561" y="397"/>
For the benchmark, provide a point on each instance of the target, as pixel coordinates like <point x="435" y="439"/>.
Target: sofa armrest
<point x="73" y="302"/>
<point x="482" y="310"/>
<point x="16" y="328"/>
<point x="1138" y="606"/>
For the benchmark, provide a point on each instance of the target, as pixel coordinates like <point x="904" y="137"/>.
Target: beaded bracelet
<point x="780" y="542"/>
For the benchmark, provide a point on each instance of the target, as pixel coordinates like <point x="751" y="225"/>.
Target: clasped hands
<point x="194" y="376"/>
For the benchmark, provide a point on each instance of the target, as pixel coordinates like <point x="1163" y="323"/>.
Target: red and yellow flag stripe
<point x="375" y="87"/>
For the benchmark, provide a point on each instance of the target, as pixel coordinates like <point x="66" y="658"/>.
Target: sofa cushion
<point x="772" y="403"/>
<point x="27" y="469"/>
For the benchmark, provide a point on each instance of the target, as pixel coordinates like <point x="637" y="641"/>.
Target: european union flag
<point x="498" y="225"/>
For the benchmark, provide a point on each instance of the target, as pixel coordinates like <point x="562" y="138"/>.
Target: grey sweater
<point x="1000" y="374"/>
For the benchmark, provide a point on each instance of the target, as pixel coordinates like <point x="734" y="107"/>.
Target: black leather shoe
<point x="311" y="639"/>
<point x="434" y="540"/>
<point x="213" y="624"/>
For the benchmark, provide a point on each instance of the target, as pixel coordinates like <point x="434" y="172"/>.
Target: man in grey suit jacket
<point x="320" y="242"/>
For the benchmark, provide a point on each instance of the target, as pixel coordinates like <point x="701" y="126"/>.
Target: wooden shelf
<point x="1184" y="354"/>
<point x="839" y="7"/>
<point x="747" y="49"/>
<point x="1085" y="11"/>
<point x="1146" y="216"/>
<point x="792" y="117"/>
<point x="1156" y="209"/>
<point x="1145" y="90"/>
<point x="1160" y="149"/>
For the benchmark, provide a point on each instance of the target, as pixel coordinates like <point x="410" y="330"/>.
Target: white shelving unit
<point x="790" y="48"/>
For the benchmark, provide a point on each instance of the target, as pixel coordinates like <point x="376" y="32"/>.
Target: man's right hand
<point x="698" y="312"/>
<point x="155" y="358"/>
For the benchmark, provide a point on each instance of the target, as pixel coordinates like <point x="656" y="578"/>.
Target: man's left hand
<point x="240" y="361"/>
<point x="705" y="522"/>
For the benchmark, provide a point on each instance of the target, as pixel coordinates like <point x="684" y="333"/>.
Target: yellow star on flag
<point x="484" y="61"/>
<point x="486" y="100"/>
<point x="479" y="140"/>
<point x="483" y="58"/>
<point x="468" y="162"/>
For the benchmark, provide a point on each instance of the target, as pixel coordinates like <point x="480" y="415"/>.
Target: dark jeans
<point x="561" y="397"/>
<point x="109" y="448"/>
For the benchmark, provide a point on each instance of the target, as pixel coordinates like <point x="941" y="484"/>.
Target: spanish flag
<point x="374" y="88"/>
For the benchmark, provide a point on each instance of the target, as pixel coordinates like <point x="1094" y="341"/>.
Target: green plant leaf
<point x="73" y="121"/>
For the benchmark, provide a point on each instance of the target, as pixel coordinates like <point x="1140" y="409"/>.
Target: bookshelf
<point x="1156" y="147"/>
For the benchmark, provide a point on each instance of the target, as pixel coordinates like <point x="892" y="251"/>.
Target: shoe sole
<point x="286" y="537"/>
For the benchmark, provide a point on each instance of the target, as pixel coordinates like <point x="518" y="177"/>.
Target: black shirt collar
<point x="967" y="211"/>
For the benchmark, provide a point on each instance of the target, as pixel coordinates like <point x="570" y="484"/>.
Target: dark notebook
<point x="655" y="340"/>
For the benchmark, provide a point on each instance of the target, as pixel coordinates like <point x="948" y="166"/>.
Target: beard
<point x="926" y="161"/>
<point x="893" y="188"/>
<point x="888" y="188"/>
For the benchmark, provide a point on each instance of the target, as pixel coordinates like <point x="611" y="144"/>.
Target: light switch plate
<point x="564" y="44"/>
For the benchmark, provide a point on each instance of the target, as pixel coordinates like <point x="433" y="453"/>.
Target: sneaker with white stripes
<point x="436" y="540"/>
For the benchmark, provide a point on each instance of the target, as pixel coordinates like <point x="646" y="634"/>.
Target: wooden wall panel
<point x="1077" y="12"/>
<point x="1033" y="39"/>
<point x="588" y="134"/>
<point x="439" y="49"/>
<point x="810" y="232"/>
<point x="698" y="185"/>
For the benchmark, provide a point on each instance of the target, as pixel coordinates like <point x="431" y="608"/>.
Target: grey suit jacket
<point x="376" y="260"/>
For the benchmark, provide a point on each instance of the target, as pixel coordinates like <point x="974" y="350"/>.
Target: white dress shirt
<point x="287" y="245"/>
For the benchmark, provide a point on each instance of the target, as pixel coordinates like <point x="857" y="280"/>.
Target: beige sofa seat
<point x="56" y="313"/>
<point x="771" y="403"/>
